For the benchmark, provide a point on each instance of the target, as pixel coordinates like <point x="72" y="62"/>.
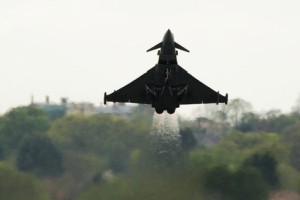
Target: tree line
<point x="233" y="153"/>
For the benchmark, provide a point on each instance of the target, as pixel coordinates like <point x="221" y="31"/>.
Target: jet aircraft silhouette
<point x="166" y="86"/>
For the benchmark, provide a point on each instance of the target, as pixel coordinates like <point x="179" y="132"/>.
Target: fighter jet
<point x="166" y="86"/>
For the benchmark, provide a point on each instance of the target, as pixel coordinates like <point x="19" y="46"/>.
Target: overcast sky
<point x="79" y="49"/>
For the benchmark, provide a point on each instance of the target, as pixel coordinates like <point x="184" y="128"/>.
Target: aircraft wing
<point x="133" y="92"/>
<point x="200" y="93"/>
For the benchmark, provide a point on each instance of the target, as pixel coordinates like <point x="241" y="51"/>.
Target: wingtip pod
<point x="226" y="98"/>
<point x="155" y="47"/>
<point x="104" y="98"/>
<point x="222" y="100"/>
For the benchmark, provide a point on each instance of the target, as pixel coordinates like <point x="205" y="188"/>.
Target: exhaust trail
<point x="165" y="136"/>
<point x="166" y="126"/>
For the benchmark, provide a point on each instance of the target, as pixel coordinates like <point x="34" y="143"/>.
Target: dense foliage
<point x="233" y="153"/>
<point x="19" y="123"/>
<point x="39" y="155"/>
<point x="16" y="185"/>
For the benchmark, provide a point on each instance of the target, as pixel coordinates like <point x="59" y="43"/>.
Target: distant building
<point x="65" y="107"/>
<point x="82" y="108"/>
<point x="53" y="111"/>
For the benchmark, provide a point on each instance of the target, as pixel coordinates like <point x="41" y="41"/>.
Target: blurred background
<point x="66" y="151"/>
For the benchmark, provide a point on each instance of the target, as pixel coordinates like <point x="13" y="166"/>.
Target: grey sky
<point x="81" y="48"/>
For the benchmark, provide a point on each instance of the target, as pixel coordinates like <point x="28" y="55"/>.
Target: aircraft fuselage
<point x="167" y="54"/>
<point x="165" y="88"/>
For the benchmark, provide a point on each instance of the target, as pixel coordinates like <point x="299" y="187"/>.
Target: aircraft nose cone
<point x="168" y="36"/>
<point x="168" y="33"/>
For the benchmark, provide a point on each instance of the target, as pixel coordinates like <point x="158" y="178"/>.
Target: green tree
<point x="16" y="185"/>
<point x="39" y="155"/>
<point x="295" y="156"/>
<point x="109" y="138"/>
<point x="188" y="140"/>
<point x="267" y="166"/>
<point x="249" y="122"/>
<point x="236" y="108"/>
<point x="277" y="123"/>
<point x="292" y="136"/>
<point x="2" y="155"/>
<point x="21" y="122"/>
<point x="94" y="134"/>
<point x="231" y="113"/>
<point x="245" y="183"/>
<point x="117" y="157"/>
